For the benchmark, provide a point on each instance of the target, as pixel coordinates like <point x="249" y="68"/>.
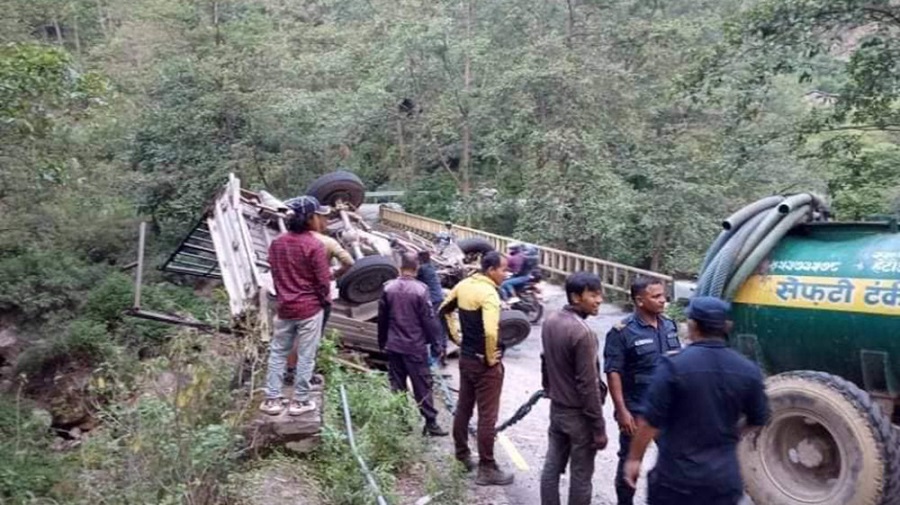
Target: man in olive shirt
<point x="571" y="379"/>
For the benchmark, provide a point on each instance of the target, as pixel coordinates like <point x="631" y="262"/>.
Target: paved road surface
<point x="529" y="437"/>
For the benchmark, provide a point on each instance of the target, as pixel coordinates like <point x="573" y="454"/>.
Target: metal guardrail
<point x="383" y="196"/>
<point x="615" y="276"/>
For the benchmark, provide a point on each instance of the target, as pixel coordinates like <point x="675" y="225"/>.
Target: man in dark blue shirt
<point x="693" y="408"/>
<point x="633" y="349"/>
<point x="428" y="275"/>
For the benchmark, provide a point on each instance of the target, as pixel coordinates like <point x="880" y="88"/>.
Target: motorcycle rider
<point x="529" y="257"/>
<point x="446" y="237"/>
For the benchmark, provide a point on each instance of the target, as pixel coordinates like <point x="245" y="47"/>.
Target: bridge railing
<point x="615" y="276"/>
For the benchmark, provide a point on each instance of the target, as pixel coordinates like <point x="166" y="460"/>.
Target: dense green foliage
<point x="26" y="467"/>
<point x="623" y="129"/>
<point x="382" y="422"/>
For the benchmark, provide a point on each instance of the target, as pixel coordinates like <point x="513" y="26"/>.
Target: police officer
<point x="633" y="349"/>
<point x="693" y="408"/>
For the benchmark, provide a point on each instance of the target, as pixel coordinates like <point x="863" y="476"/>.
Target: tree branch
<point x="883" y="12"/>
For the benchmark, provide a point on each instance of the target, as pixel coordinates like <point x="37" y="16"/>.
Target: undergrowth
<point x="28" y="468"/>
<point x="385" y="427"/>
<point x="173" y="444"/>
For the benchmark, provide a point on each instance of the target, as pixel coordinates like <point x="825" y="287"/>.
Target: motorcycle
<point x="528" y="300"/>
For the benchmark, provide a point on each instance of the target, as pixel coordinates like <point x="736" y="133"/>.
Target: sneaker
<point x="297" y="408"/>
<point x="492" y="475"/>
<point x="434" y="430"/>
<point x="272" y="406"/>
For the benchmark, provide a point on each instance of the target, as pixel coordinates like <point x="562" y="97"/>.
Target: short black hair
<point x="640" y="285"/>
<point x="409" y="261"/>
<point x="579" y="282"/>
<point x="296" y="224"/>
<point x="424" y="257"/>
<point x="490" y="261"/>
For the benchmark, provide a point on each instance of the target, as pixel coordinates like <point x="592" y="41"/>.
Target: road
<point x="529" y="437"/>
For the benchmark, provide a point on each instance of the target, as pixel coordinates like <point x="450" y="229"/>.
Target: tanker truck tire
<point x="826" y="443"/>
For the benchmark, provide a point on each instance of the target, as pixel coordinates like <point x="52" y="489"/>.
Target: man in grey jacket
<point x="571" y="379"/>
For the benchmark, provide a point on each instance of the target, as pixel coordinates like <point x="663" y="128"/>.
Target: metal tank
<point x="817" y="305"/>
<point x="827" y="298"/>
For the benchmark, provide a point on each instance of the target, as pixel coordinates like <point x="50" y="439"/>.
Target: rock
<point x="296" y="433"/>
<point x="45" y="418"/>
<point x="9" y="346"/>
<point x="304" y="446"/>
<point x="62" y="445"/>
<point x="75" y="433"/>
<point x="68" y="397"/>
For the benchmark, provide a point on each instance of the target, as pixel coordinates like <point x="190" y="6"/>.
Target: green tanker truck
<point x="817" y="306"/>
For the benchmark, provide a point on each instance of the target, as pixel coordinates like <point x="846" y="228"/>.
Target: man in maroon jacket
<point x="302" y="280"/>
<point x="406" y="326"/>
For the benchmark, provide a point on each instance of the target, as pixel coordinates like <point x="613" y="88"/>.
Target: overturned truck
<point x="231" y="242"/>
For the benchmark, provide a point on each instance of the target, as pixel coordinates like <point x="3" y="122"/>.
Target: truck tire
<point x="827" y="443"/>
<point x="475" y="246"/>
<point x="514" y="328"/>
<point x="365" y="280"/>
<point x="338" y="185"/>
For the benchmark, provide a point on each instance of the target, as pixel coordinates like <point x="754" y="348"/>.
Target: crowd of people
<point x="694" y="401"/>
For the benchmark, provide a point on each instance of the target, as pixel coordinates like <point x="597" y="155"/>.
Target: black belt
<point x="470" y="354"/>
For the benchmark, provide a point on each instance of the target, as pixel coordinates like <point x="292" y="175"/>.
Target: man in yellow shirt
<point x="480" y="368"/>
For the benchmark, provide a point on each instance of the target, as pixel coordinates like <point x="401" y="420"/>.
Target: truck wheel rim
<point x="809" y="464"/>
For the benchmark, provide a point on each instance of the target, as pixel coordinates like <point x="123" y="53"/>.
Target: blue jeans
<point x="509" y="286"/>
<point x="307" y="332"/>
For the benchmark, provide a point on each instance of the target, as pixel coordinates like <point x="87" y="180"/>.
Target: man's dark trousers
<point x="660" y="494"/>
<point x="478" y="384"/>
<point x="401" y="366"/>
<point x="624" y="492"/>
<point x="571" y="440"/>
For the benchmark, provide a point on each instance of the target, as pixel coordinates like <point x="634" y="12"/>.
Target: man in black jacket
<point x="694" y="409"/>
<point x="571" y="377"/>
<point x="406" y="326"/>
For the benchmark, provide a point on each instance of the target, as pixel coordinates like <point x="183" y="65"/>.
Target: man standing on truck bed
<point x="302" y="281"/>
<point x="334" y="251"/>
<point x="633" y="348"/>
<point x="692" y="409"/>
<point x="480" y="366"/>
<point x="571" y="379"/>
<point x="406" y="327"/>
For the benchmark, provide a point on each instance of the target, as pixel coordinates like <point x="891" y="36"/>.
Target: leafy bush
<point x="174" y="446"/>
<point x="37" y="284"/>
<point x="28" y="468"/>
<point x="384" y="427"/>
